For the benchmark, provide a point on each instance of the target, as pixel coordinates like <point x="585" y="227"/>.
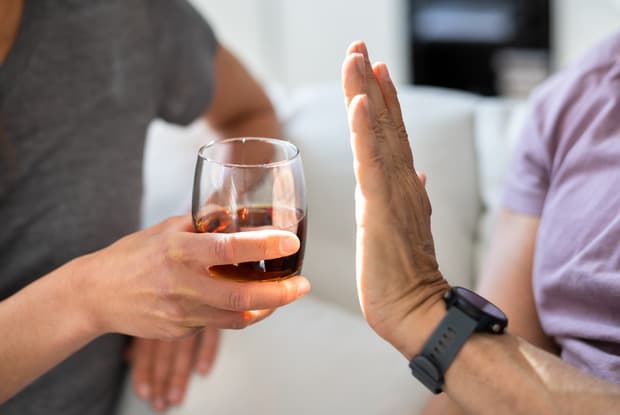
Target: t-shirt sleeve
<point x="528" y="177"/>
<point x="184" y="48"/>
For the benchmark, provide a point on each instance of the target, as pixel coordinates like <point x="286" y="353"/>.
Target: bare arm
<point x="240" y="106"/>
<point x="400" y="285"/>
<point x="10" y="17"/>
<point x="507" y="281"/>
<point x="42" y="324"/>
<point x="508" y="375"/>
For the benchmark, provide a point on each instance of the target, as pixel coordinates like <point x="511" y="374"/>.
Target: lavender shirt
<point x="567" y="172"/>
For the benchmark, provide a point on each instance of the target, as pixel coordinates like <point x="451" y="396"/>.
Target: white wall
<point x="303" y="41"/>
<point x="579" y="25"/>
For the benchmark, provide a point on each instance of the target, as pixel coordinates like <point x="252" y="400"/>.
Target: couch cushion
<point x="309" y="358"/>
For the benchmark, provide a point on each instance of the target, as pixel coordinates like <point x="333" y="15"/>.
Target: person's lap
<point x="308" y="358"/>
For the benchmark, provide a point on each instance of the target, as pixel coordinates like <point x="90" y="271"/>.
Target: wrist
<point x="417" y="327"/>
<point x="80" y="297"/>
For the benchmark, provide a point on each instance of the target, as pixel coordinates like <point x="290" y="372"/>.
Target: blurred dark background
<point x="490" y="47"/>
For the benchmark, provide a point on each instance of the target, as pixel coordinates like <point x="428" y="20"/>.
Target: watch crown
<point x="496" y="328"/>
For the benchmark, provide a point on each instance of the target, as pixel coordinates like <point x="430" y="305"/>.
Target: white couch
<point x="318" y="356"/>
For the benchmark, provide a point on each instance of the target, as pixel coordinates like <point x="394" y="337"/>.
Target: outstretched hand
<point x="399" y="283"/>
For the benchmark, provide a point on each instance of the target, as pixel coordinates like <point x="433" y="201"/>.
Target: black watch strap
<point x="441" y="348"/>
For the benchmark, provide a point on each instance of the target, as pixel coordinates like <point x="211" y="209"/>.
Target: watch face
<point x="481" y="303"/>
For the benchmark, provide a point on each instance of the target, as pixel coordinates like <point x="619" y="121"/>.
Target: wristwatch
<point x="467" y="313"/>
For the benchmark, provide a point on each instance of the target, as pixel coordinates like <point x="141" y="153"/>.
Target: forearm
<point x="42" y="325"/>
<point x="240" y="106"/>
<point x="505" y="374"/>
<point x="261" y="122"/>
<point x="506" y="280"/>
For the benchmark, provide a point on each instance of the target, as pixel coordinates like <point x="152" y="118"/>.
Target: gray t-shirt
<point x="77" y="92"/>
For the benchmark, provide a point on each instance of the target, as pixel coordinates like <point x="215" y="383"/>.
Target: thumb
<point x="422" y="178"/>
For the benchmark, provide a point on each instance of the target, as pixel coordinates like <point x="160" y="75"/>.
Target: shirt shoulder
<point x="563" y="112"/>
<point x="588" y="83"/>
<point x="185" y="48"/>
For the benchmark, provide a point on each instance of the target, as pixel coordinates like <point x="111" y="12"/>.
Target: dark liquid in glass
<point x="255" y="218"/>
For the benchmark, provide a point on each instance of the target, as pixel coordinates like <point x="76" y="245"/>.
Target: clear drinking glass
<point x="246" y="184"/>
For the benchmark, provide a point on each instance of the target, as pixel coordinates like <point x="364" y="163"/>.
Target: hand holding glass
<point x="247" y="184"/>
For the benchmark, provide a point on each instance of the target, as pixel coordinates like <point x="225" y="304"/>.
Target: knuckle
<point x="176" y="332"/>
<point x="428" y="206"/>
<point x="222" y="248"/>
<point x="287" y="294"/>
<point x="379" y="133"/>
<point x="384" y="118"/>
<point x="166" y="294"/>
<point x="377" y="159"/>
<point x="239" y="299"/>
<point x="172" y="250"/>
<point x="174" y="312"/>
<point x="266" y="246"/>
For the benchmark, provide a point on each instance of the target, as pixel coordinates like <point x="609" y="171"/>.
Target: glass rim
<point x="273" y="141"/>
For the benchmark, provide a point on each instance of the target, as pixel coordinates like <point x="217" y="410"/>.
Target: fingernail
<point x="174" y="395"/>
<point x="203" y="368"/>
<point x="144" y="391"/>
<point x="159" y="404"/>
<point x="361" y="63"/>
<point x="303" y="288"/>
<point x="289" y="245"/>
